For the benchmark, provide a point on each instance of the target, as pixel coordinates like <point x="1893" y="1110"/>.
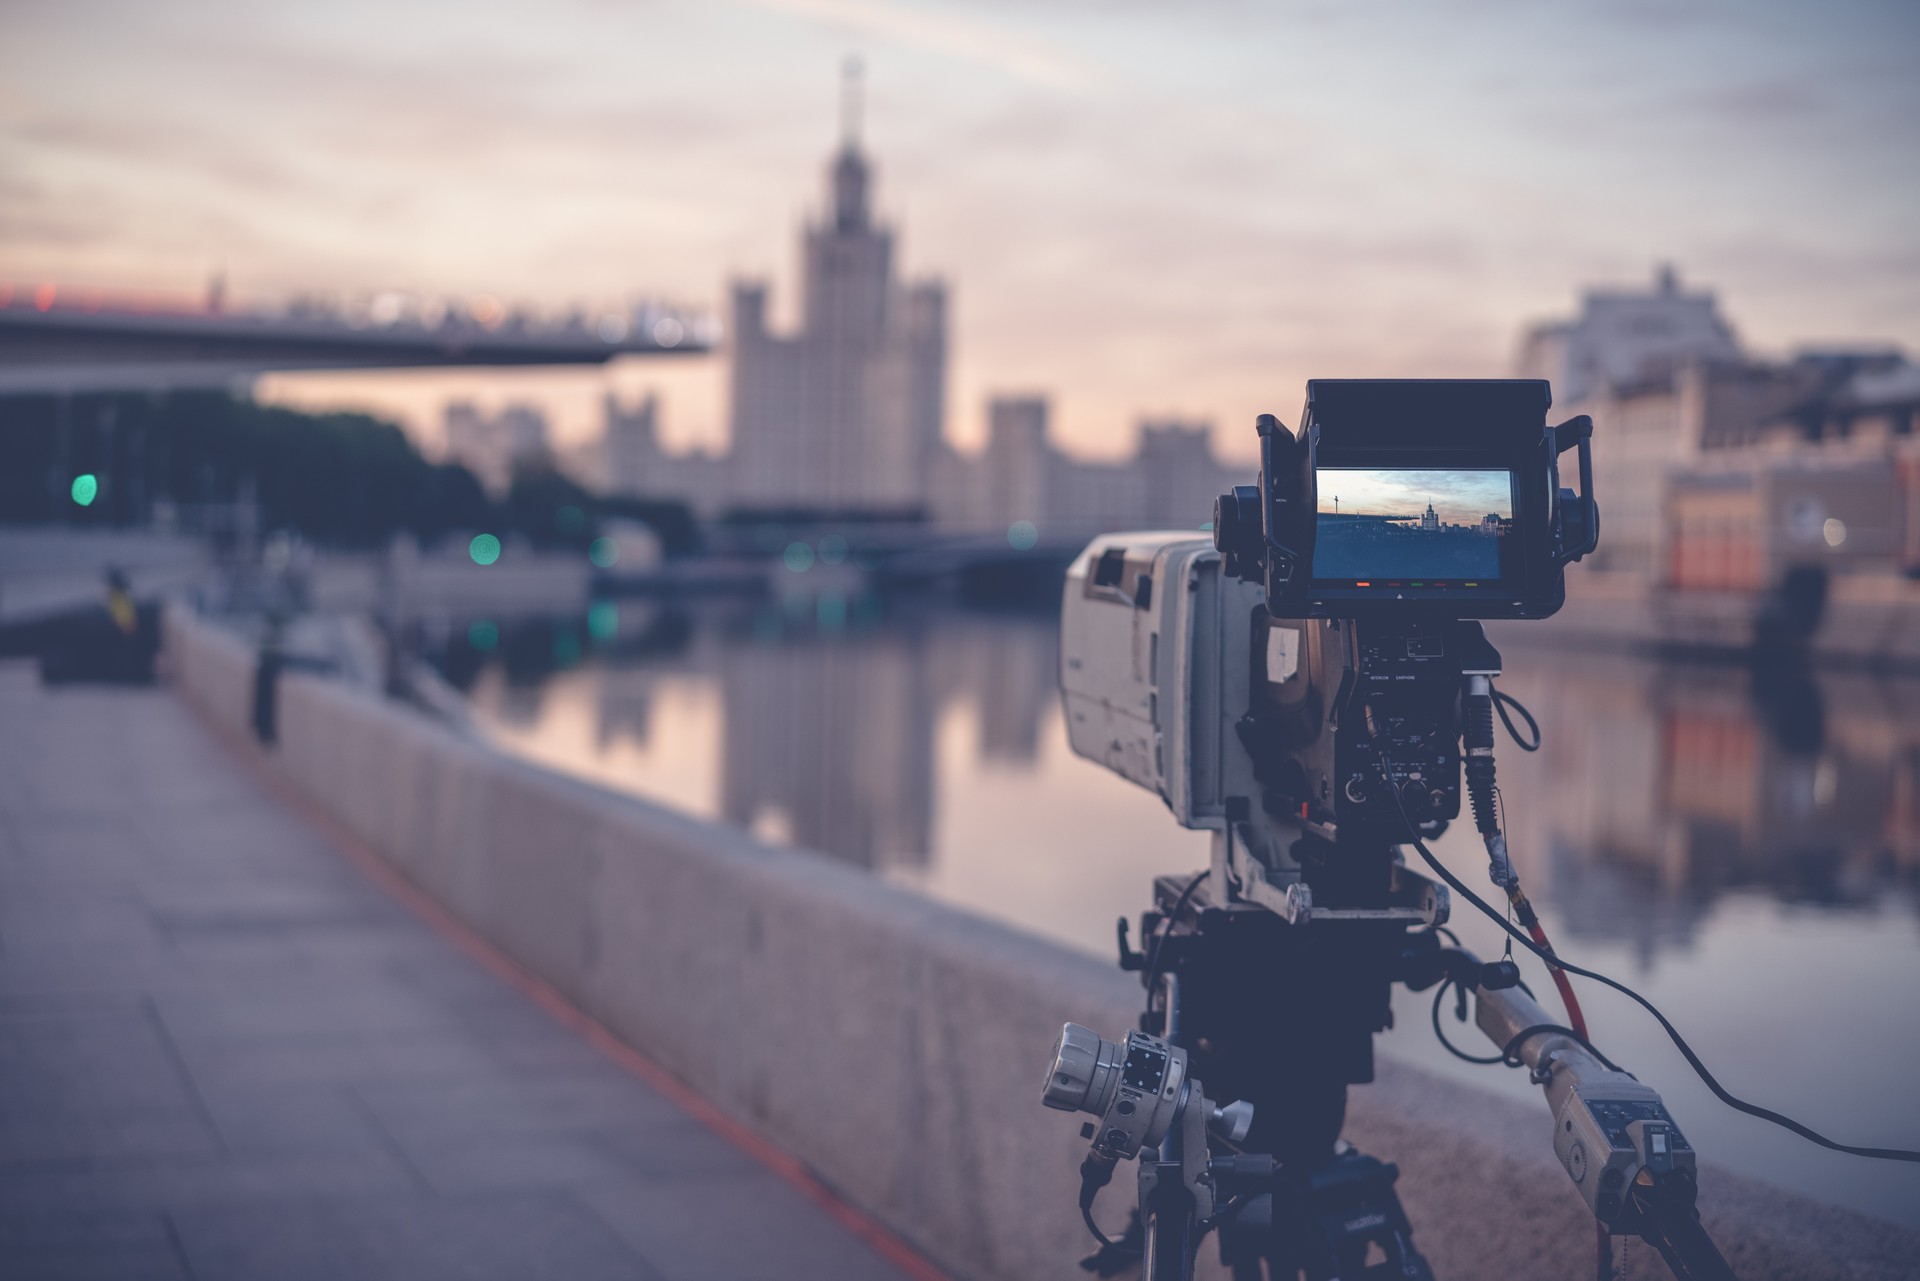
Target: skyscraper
<point x="846" y="413"/>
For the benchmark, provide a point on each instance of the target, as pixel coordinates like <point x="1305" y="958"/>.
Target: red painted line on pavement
<point x="550" y="999"/>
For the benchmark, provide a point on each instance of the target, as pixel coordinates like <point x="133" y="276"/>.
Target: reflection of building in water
<point x="829" y="745"/>
<point x="624" y="706"/>
<point x="1657" y="791"/>
<point x="519" y="703"/>
<point x="1008" y="669"/>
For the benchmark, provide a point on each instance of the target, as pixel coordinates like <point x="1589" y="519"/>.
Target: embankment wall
<point x="892" y="1044"/>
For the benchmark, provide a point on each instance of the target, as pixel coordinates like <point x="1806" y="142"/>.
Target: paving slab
<point x="226" y="1053"/>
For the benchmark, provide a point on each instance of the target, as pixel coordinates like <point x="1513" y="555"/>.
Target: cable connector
<point x="1476" y="737"/>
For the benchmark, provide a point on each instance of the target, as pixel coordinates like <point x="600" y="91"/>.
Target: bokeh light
<point x="603" y="620"/>
<point x="604" y="553"/>
<point x="1022" y="535"/>
<point x="485" y="549"/>
<point x="799" y="557"/>
<point x="483" y="633"/>
<point x="86" y="488"/>
<point x="570" y="520"/>
<point x="1834" y="531"/>
<point x="833" y="549"/>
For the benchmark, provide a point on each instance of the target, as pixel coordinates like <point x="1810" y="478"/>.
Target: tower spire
<point x="850" y="71"/>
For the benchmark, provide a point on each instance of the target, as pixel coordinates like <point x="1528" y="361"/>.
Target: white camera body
<point x="1153" y="653"/>
<point x="1162" y="655"/>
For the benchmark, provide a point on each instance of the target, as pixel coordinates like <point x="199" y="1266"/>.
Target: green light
<point x="485" y="549"/>
<point x="566" y="649"/>
<point x="833" y="549"/>
<point x="1022" y="535"/>
<point x="603" y="552"/>
<point x="570" y="519"/>
<point x="603" y="620"/>
<point x="483" y="633"/>
<point x="831" y="612"/>
<point x="799" y="557"/>
<point x="86" y="487"/>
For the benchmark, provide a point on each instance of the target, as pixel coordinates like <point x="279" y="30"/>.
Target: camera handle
<point x="1576" y="517"/>
<point x="1612" y="1134"/>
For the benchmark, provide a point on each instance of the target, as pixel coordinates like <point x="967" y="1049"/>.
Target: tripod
<point x="1282" y="1017"/>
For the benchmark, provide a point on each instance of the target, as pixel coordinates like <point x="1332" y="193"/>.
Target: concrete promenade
<point x="225" y="1052"/>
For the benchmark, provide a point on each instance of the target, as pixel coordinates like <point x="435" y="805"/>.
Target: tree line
<point x="343" y="480"/>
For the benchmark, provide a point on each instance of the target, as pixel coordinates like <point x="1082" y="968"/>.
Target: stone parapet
<point x="892" y="1044"/>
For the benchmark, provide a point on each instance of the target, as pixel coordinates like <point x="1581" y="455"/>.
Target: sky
<point x="1458" y="497"/>
<point x="1141" y="209"/>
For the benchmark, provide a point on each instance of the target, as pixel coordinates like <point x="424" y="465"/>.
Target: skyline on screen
<point x="1458" y="496"/>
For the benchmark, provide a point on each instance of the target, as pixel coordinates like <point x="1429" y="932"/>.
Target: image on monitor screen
<point x="1411" y="524"/>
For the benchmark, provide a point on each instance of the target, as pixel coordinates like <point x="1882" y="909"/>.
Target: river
<point x="1744" y="851"/>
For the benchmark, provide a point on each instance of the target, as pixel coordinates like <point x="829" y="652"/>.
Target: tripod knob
<point x="1232" y="1121"/>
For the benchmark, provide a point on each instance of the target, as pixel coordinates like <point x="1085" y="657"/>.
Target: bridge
<point x="55" y="342"/>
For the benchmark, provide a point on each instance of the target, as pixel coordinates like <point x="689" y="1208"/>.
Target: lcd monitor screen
<point x="1411" y="526"/>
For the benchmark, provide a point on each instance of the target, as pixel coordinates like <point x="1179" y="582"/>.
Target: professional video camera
<point x="1306" y="684"/>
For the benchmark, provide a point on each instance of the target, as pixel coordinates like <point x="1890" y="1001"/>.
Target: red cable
<point x="1578" y="1022"/>
<point x="1575" y="1019"/>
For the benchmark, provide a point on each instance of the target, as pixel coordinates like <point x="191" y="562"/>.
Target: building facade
<point x="1170" y="481"/>
<point x="491" y="446"/>
<point x="1626" y="337"/>
<point x="1718" y="470"/>
<point x="847" y="412"/>
<point x="632" y="462"/>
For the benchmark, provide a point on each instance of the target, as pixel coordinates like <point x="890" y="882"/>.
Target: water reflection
<point x="1659" y="788"/>
<point x="1742" y="846"/>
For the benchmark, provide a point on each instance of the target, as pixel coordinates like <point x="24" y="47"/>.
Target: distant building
<point x="633" y="463"/>
<point x="1430" y="521"/>
<point x="1179" y="476"/>
<point x="1718" y="470"/>
<point x="1170" y="482"/>
<point x="491" y="446"/>
<point x="846" y="413"/>
<point x="1830" y="477"/>
<point x="1626" y="338"/>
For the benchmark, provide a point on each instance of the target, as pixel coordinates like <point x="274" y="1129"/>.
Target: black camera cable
<point x="1673" y="1034"/>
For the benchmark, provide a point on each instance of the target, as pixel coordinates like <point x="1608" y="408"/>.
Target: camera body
<point x="1176" y="677"/>
<point x="1293" y="682"/>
